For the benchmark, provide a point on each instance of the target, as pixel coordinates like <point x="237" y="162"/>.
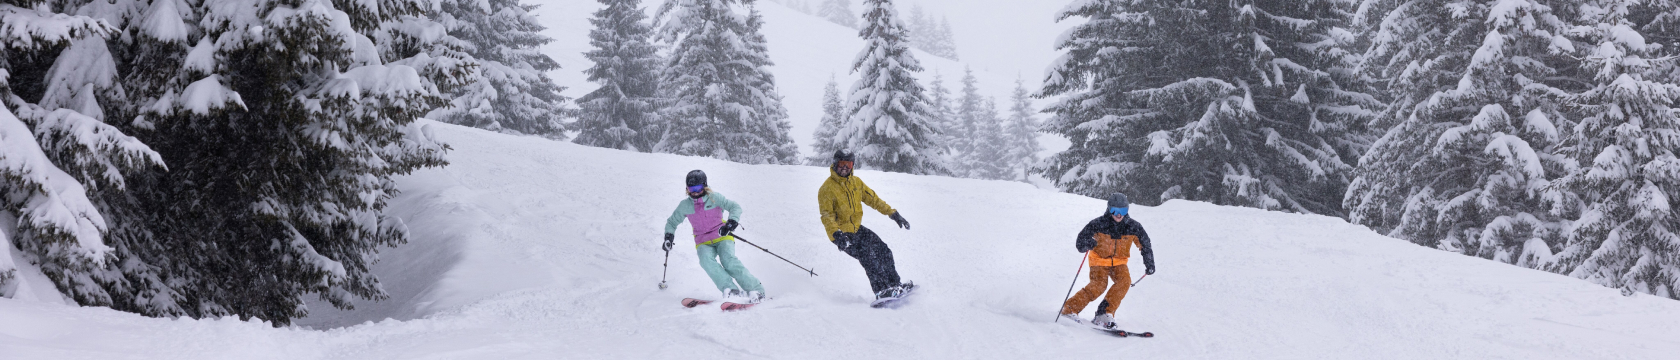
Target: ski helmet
<point x="696" y="177"/>
<point x="1118" y="204"/>
<point x="1115" y="200"/>
<point x="843" y="155"/>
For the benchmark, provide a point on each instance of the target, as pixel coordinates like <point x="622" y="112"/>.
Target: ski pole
<point x="738" y="237"/>
<point x="1140" y="279"/>
<point x="666" y="268"/>
<point x="1070" y="288"/>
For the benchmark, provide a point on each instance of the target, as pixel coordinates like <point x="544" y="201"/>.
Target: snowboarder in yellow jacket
<point x="840" y="201"/>
<point x="1107" y="242"/>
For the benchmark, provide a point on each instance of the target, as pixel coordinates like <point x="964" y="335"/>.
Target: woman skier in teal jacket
<point x="712" y="241"/>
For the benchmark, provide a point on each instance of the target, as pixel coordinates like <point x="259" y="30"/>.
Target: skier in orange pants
<point x="1107" y="242"/>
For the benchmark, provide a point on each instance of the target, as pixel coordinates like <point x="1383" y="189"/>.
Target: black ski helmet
<point x="1118" y="200"/>
<point x="696" y="177"/>
<point x="843" y="155"/>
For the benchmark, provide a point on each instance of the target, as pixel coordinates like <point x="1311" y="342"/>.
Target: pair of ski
<point x="1110" y="329"/>
<point x="1123" y="333"/>
<point x="727" y="306"/>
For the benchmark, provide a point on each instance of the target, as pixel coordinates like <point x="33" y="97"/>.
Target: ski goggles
<point x="696" y="188"/>
<point x="1120" y="211"/>
<point x="843" y="164"/>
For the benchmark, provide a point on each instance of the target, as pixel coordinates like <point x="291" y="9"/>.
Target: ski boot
<point x="890" y="292"/>
<point x="754" y="297"/>
<point x="895" y="291"/>
<point x="1105" y="321"/>
<point x="735" y="296"/>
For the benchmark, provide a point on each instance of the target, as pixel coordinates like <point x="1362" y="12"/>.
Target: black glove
<point x="670" y="240"/>
<point x="843" y="240"/>
<point x="1085" y="244"/>
<point x="728" y="227"/>
<point x="900" y="220"/>
<point x="1149" y="269"/>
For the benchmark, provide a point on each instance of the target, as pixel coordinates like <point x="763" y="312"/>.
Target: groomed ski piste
<point x="525" y="248"/>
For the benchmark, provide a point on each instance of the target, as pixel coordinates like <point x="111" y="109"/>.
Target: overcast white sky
<point x="1002" y="36"/>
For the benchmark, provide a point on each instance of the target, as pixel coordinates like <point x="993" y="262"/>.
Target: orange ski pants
<point x="1099" y="281"/>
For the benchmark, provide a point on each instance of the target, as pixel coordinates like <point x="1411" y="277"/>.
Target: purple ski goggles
<point x="696" y="188"/>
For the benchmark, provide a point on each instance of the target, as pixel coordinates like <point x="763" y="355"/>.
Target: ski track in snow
<point x="525" y="248"/>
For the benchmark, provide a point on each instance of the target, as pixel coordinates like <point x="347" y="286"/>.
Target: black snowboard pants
<point x="876" y="258"/>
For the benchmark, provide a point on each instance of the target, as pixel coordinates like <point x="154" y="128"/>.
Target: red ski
<point x="729" y="306"/>
<point x="692" y="302"/>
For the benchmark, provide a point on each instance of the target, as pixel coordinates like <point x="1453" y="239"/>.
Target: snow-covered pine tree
<point x="57" y="78"/>
<point x="1474" y="115"/>
<point x="990" y="155"/>
<point x="511" y="91"/>
<point x="622" y="113"/>
<point x="965" y="132"/>
<point x="724" y="102"/>
<point x="931" y="35"/>
<point x="943" y="117"/>
<point x="283" y="128"/>
<point x="773" y="127"/>
<point x="155" y="36"/>
<point x="1235" y="103"/>
<point x="1020" y="134"/>
<point x="834" y="113"/>
<point x="920" y="29"/>
<point x="1659" y="22"/>
<point x="838" y="12"/>
<point x="887" y="123"/>
<point x="1628" y="182"/>
<point x="942" y="42"/>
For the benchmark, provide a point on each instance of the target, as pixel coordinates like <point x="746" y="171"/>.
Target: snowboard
<point x="894" y="302"/>
<point x="692" y="302"/>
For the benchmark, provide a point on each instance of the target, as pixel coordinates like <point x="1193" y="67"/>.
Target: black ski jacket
<point x="1115" y="230"/>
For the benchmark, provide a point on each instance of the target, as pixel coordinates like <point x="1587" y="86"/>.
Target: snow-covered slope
<point x="525" y="248"/>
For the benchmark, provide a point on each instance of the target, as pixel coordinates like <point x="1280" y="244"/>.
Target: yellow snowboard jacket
<point x="840" y="200"/>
